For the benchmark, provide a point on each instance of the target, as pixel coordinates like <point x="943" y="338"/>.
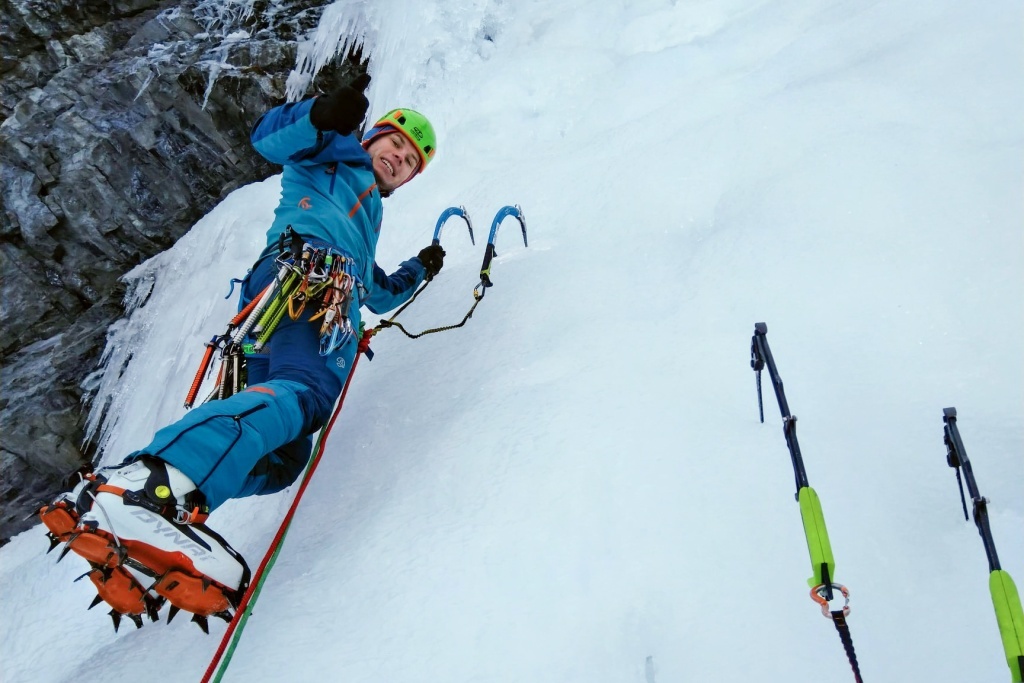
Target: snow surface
<point x="577" y="480"/>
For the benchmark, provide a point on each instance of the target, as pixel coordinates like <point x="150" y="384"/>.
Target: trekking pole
<point x="818" y="546"/>
<point x="1005" y="598"/>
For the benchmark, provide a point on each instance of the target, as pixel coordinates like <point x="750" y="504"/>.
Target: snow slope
<point x="577" y="480"/>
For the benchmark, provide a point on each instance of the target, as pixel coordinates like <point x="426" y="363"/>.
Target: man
<point x="140" y="524"/>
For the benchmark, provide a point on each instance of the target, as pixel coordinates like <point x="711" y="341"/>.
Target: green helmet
<point x="414" y="126"/>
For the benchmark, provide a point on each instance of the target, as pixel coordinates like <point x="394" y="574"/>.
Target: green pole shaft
<point x="818" y="545"/>
<point x="1010" y="618"/>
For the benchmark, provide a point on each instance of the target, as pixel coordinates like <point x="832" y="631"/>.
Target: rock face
<point x="121" y="123"/>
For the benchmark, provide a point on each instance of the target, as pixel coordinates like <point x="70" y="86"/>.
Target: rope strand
<point x="844" y="635"/>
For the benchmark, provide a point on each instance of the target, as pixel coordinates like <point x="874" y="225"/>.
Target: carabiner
<point x="818" y="595"/>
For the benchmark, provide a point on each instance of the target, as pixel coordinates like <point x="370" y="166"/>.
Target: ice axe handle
<point x="485" y="268"/>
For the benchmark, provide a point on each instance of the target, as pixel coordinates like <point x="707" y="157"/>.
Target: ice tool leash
<point x="485" y="269"/>
<point x="325" y="278"/>
<point x="823" y="586"/>
<point x="1005" y="598"/>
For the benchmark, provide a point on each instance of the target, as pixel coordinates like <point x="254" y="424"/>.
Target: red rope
<point x="364" y="345"/>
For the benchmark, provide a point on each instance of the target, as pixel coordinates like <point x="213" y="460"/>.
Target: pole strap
<point x="224" y="653"/>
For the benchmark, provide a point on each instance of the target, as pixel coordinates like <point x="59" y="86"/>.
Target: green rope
<point x="229" y="653"/>
<point x="264" y="570"/>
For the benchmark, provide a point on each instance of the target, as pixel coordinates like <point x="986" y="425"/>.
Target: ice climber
<point x="141" y="524"/>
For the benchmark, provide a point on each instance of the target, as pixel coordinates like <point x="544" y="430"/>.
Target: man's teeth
<point x="391" y="168"/>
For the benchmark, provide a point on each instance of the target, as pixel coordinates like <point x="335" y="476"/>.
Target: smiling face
<point x="395" y="160"/>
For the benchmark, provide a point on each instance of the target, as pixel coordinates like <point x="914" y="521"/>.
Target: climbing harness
<point x="309" y="275"/>
<point x="823" y="588"/>
<point x="1005" y="598"/>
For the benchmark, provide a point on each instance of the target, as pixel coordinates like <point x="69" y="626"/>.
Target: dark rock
<point x="42" y="445"/>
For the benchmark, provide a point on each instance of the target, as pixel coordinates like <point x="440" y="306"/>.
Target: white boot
<point x="145" y="518"/>
<point x="154" y="509"/>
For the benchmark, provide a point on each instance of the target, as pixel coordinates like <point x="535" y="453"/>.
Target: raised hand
<point x="342" y="110"/>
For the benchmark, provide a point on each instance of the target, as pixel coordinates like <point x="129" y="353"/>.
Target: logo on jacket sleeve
<point x="305" y="204"/>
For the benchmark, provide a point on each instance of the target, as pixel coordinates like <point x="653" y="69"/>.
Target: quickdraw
<point x="818" y="546"/>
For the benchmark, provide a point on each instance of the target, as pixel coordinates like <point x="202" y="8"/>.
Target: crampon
<point x="139" y="560"/>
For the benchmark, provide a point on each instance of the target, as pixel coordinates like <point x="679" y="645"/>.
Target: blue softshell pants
<point x="259" y="441"/>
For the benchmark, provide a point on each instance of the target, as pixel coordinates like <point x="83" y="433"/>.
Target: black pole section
<point x="762" y="356"/>
<point x="956" y="456"/>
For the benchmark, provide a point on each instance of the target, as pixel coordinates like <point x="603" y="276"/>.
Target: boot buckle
<point x="183" y="516"/>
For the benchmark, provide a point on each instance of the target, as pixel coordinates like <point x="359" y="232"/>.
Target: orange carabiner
<point x="818" y="595"/>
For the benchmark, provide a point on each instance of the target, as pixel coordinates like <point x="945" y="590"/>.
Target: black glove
<point x="432" y="258"/>
<point x="342" y="110"/>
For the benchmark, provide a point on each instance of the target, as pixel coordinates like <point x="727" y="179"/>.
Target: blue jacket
<point x="329" y="193"/>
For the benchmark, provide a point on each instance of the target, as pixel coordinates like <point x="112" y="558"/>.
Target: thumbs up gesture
<point x="342" y="110"/>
